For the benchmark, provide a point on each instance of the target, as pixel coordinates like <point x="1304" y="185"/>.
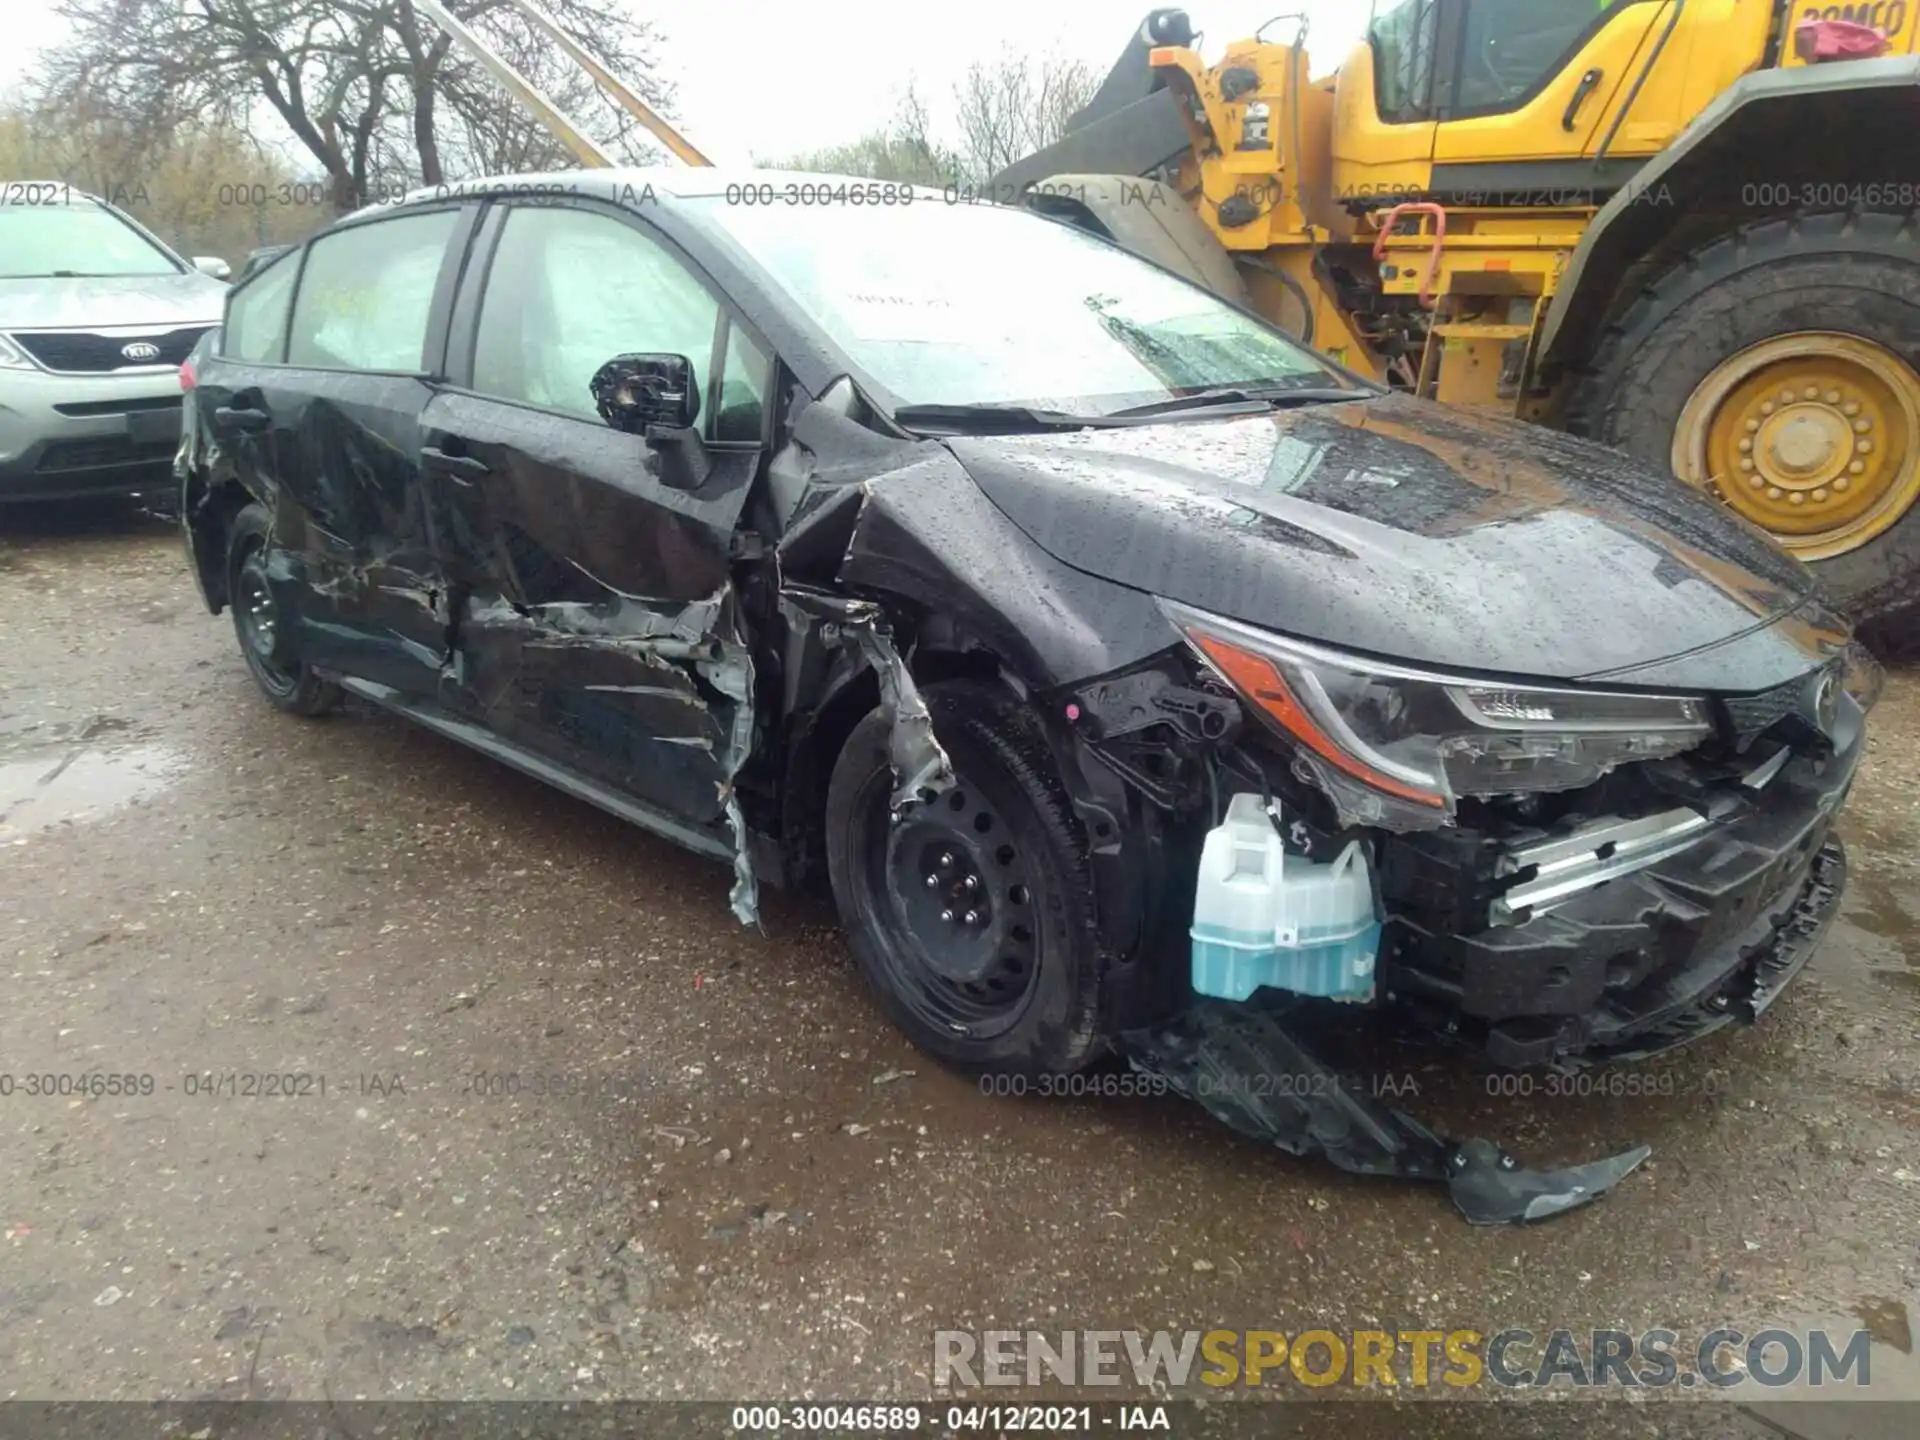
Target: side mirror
<point x="642" y="393"/>
<point x="212" y="265"/>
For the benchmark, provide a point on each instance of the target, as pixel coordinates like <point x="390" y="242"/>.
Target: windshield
<point x="74" y="237"/>
<point x="1402" y="36"/>
<point x="982" y="305"/>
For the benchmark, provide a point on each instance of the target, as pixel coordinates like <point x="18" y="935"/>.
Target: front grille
<point x="83" y="352"/>
<point x="96" y="454"/>
<point x="1753" y="715"/>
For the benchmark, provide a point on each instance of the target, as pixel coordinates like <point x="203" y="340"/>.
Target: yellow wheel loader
<point x="1685" y="228"/>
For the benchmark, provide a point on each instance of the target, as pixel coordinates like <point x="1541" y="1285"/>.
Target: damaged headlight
<point x="1417" y="738"/>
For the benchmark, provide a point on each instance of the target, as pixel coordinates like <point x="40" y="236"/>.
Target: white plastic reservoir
<point x="1264" y="917"/>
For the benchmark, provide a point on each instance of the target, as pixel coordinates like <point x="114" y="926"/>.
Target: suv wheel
<point x="970" y="918"/>
<point x="288" y="682"/>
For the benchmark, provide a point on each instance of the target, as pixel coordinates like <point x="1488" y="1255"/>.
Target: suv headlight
<point x="12" y="357"/>
<point x="1419" y="738"/>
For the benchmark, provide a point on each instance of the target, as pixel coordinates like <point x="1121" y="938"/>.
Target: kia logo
<point x="141" y="350"/>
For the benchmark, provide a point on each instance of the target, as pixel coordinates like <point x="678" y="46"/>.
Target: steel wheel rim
<point x="971" y="977"/>
<point x="258" y="619"/>
<point x="1814" y="437"/>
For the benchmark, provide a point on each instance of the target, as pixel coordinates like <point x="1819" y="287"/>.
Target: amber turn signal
<point x="1259" y="680"/>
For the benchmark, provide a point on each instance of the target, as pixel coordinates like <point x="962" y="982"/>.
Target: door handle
<point x="1589" y="83"/>
<point x="463" y="468"/>
<point x="244" y="418"/>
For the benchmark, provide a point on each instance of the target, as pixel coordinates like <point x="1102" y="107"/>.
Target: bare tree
<point x="205" y="189"/>
<point x="1008" y="110"/>
<point x="1001" y="113"/>
<point x="902" y="151"/>
<point x="374" y="92"/>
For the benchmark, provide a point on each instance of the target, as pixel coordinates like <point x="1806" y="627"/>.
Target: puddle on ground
<point x="1888" y="1322"/>
<point x="1874" y="948"/>
<point x="63" y="787"/>
<point x="1889" y="1370"/>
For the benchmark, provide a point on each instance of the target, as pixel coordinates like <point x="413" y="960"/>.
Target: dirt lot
<point x="740" y="1183"/>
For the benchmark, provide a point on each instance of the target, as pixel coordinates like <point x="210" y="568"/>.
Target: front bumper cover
<point x="1670" y="900"/>
<point x="1651" y="959"/>
<point x="67" y="436"/>
<point x="1772" y="953"/>
<point x="1247" y="1068"/>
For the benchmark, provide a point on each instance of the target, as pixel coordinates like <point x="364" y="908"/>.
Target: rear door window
<point x="367" y="292"/>
<point x="256" y="326"/>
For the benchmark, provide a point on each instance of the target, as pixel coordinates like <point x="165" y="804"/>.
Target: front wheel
<point x="970" y="917"/>
<point x="288" y="682"/>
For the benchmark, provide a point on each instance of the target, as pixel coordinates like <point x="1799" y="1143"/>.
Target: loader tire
<point x="1820" y="308"/>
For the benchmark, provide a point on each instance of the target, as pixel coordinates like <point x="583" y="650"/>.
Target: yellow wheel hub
<point x="1815" y="437"/>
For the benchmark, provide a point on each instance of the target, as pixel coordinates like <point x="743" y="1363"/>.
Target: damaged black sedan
<point x="1141" y="683"/>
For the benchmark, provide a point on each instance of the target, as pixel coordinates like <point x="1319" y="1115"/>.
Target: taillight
<point x="187" y="378"/>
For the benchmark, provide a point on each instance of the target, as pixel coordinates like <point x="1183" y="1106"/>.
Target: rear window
<point x="366" y="292"/>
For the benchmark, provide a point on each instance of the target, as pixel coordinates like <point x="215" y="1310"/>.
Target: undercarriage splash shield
<point x="1245" y="1068"/>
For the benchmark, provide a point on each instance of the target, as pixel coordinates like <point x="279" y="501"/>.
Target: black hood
<point x="1413" y="531"/>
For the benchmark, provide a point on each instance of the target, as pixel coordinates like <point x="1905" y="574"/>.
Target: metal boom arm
<point x="585" y="150"/>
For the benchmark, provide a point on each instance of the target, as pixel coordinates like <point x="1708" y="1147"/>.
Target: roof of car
<point x="635" y="185"/>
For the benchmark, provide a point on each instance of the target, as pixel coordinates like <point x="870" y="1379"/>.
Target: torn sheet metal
<point x="731" y="673"/>
<point x="1246" y="1068"/>
<point x="921" y="769"/>
<point x="652" y="696"/>
<point x="655" y="624"/>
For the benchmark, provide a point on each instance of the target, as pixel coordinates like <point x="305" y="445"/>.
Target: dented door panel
<point x="374" y="598"/>
<point x="589" y="596"/>
<point x="355" y="568"/>
<point x="325" y="432"/>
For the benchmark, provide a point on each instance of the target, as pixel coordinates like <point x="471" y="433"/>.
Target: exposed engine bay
<point x="1559" y="928"/>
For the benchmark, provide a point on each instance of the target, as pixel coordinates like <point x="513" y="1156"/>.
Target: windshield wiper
<point x="991" y="419"/>
<point x="1244" y="395"/>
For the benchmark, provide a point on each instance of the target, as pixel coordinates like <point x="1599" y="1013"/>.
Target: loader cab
<point x="1448" y="59"/>
<point x="1400" y="43"/>
<point x="1521" y="96"/>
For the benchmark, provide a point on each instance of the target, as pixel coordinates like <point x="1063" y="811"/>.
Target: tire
<point x="288" y="682"/>
<point x="1017" y="992"/>
<point x="1842" y="274"/>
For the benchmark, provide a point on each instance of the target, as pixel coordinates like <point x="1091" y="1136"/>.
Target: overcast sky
<point x="775" y="77"/>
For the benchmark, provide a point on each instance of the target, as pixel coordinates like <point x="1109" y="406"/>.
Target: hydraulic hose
<point x="1298" y="290"/>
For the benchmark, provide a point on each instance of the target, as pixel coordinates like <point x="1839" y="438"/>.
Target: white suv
<point x="96" y="316"/>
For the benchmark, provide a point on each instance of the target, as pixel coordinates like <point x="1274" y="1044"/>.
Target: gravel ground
<point x="738" y="1182"/>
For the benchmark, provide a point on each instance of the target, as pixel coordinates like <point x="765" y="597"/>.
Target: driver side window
<point x="1512" y="47"/>
<point x="570" y="289"/>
